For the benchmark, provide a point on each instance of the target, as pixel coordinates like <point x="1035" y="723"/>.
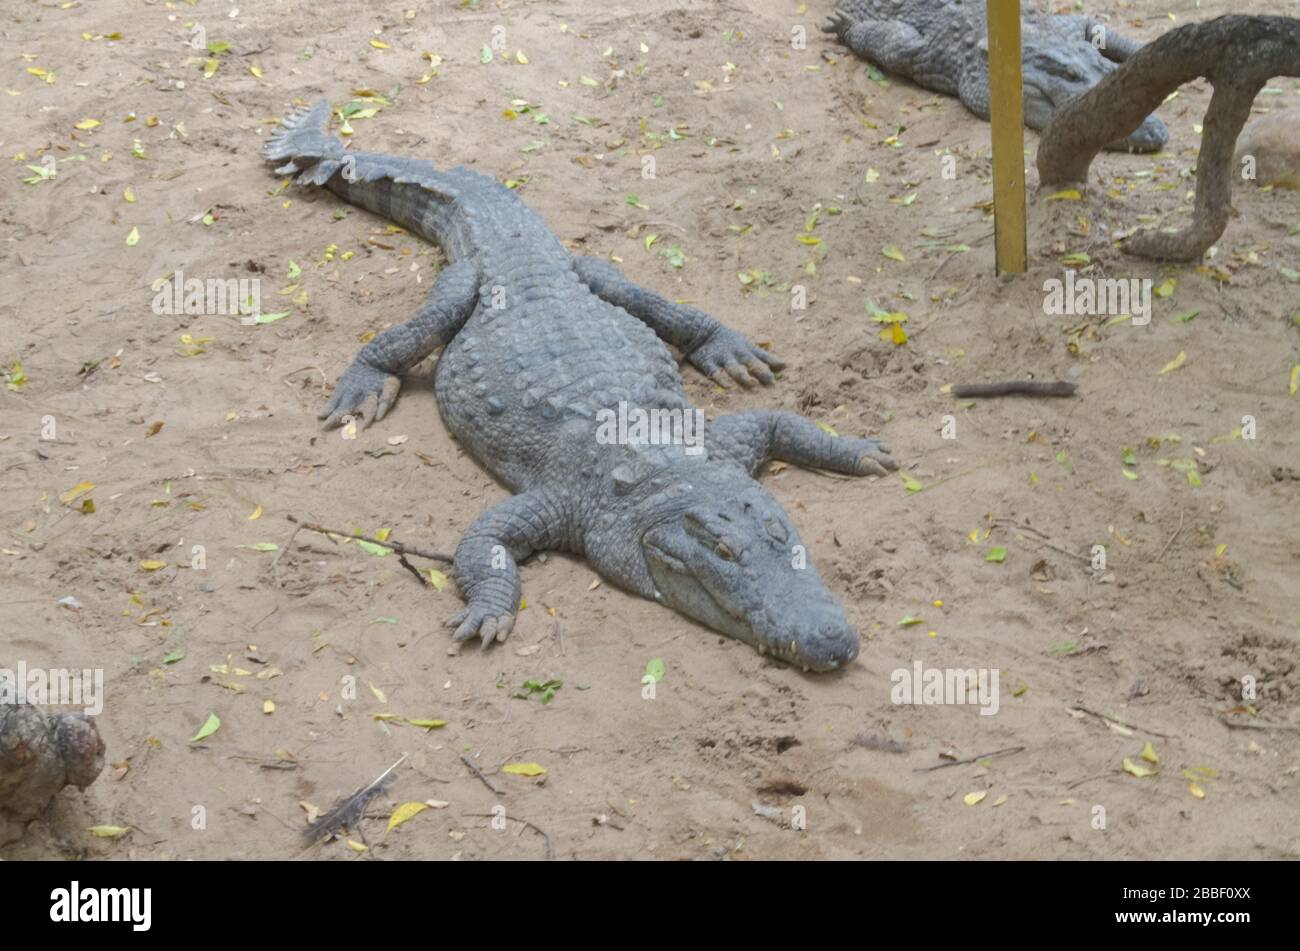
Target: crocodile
<point x="552" y="364"/>
<point x="943" y="45"/>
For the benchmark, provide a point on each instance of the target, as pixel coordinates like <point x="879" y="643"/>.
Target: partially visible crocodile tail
<point x="303" y="139"/>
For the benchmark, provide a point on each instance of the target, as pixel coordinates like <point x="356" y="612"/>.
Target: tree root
<point x="1237" y="54"/>
<point x="41" y="754"/>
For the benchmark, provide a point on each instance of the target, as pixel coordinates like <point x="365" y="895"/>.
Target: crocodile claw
<point x="728" y="355"/>
<point x="873" y="457"/>
<point x="362" y="391"/>
<point x="838" y="23"/>
<point x="480" y="620"/>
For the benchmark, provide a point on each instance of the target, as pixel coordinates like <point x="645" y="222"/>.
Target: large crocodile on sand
<point x="543" y="351"/>
<point x="943" y="45"/>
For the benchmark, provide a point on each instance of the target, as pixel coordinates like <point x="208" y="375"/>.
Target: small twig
<point x="1131" y="726"/>
<point x="1088" y="779"/>
<point x="479" y="773"/>
<point x="1042" y="538"/>
<point x="558" y="633"/>
<point x="550" y="846"/>
<point x="1010" y="387"/>
<point x="1178" y="530"/>
<point x="563" y="750"/>
<point x="1252" y="725"/>
<point x="974" y="759"/>
<point x="390" y="544"/>
<point x="275" y="562"/>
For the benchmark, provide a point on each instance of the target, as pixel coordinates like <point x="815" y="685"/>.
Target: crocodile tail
<point x="303" y="139"/>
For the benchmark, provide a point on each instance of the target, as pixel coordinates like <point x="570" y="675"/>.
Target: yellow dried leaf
<point x="78" y="490"/>
<point x="268" y="707"/>
<point x="257" y="513"/>
<point x="974" y="798"/>
<point x="108" y="832"/>
<point x="893" y="253"/>
<point x="86" y="125"/>
<point x="133" y="238"/>
<point x="523" y="769"/>
<point x="128" y="193"/>
<point x="1149" y="753"/>
<point x="1195" y="789"/>
<point x="379" y="44"/>
<point x="405" y="813"/>
<point x="1137" y="769"/>
<point x="356" y="846"/>
<point x="1174" y="364"/>
<point x="1067" y="194"/>
<point x="152" y="565"/>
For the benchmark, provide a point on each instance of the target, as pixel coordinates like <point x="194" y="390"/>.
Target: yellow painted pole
<point x="1007" y="105"/>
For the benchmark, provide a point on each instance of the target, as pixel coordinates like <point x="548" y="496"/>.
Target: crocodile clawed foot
<point x="729" y="356"/>
<point x="362" y="391"/>
<point x="837" y="23"/>
<point x="873" y="458"/>
<point x="483" y="622"/>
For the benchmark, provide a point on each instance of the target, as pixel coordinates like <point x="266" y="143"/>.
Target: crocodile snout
<point x="820" y="638"/>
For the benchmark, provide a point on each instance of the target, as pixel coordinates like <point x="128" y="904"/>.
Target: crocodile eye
<point x="724" y="552"/>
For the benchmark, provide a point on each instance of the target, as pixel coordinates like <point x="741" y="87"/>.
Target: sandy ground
<point x="750" y="138"/>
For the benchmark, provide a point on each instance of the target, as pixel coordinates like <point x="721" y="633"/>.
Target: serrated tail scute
<point x="303" y="140"/>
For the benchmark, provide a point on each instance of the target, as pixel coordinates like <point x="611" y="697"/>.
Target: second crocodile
<point x="944" y="46"/>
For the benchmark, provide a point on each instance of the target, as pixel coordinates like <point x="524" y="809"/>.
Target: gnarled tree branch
<point x="1237" y="54"/>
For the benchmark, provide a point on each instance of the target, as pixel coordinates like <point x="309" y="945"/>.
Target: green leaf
<point x="212" y="725"/>
<point x="996" y="555"/>
<point x="654" y="671"/>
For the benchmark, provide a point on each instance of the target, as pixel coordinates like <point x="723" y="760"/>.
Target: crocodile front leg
<point x="486" y="568"/>
<point x="890" y="44"/>
<point x="716" y="351"/>
<point x="369" y="386"/>
<point x="751" y="438"/>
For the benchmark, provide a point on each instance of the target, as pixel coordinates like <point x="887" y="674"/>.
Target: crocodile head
<point x="1056" y="72"/>
<point x="735" y="564"/>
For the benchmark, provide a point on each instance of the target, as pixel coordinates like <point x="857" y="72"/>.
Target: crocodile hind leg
<point x="718" y="352"/>
<point x="486" y="568"/>
<point x="369" y="386"/>
<point x="891" y="44"/>
<point x="752" y="437"/>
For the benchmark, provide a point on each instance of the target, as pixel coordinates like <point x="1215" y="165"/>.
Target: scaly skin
<point x="943" y="45"/>
<point x="538" y="344"/>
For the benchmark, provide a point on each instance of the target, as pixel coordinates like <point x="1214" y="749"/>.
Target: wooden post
<point x="1007" y="105"/>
